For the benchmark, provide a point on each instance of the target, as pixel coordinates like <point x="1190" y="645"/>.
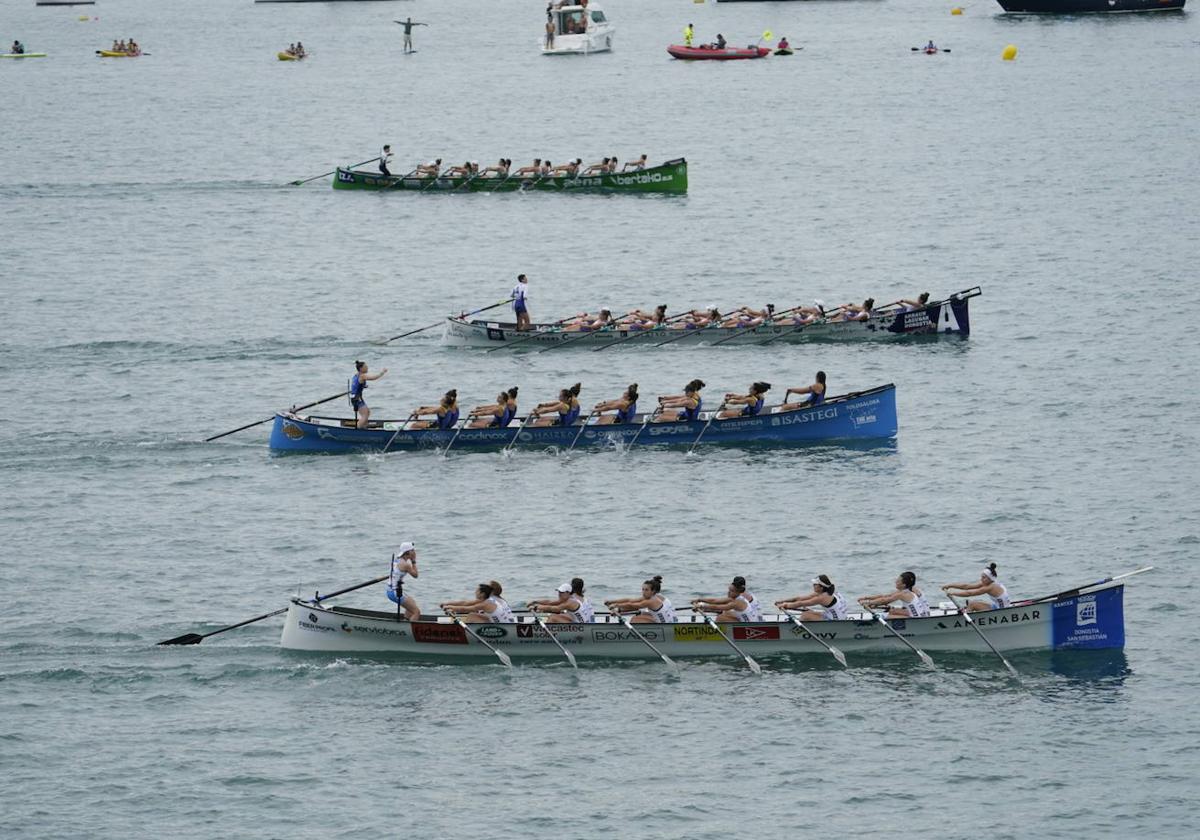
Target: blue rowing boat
<point x="860" y="416"/>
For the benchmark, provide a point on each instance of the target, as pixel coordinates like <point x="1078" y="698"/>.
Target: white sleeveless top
<point x="835" y="611"/>
<point x="918" y="607"/>
<point x="752" y="611"/>
<point x="664" y="614"/>
<point x="503" y="613"/>
<point x="586" y="612"/>
<point x="397" y="576"/>
<point x="999" y="603"/>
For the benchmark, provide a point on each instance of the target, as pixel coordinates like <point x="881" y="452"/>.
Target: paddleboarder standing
<point x="520" y="302"/>
<point x="408" y="24"/>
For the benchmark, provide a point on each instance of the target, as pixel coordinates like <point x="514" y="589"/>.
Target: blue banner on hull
<point x="1090" y="621"/>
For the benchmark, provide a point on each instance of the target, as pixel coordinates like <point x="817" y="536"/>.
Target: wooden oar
<point x="570" y="656"/>
<point x="585" y="333"/>
<point x="686" y="332"/>
<point x="837" y="654"/>
<point x="501" y="655"/>
<point x="196" y="638"/>
<point x="754" y="666"/>
<point x="711" y="417"/>
<point x="533" y="333"/>
<point x="575" y="440"/>
<point x="924" y="656"/>
<point x="325" y="174"/>
<point x="382" y="341"/>
<point x="629" y="626"/>
<point x="966" y="614"/>
<point x="639" y="333"/>
<point x="272" y="417"/>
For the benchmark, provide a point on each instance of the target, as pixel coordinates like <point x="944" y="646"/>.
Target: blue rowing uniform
<point x="626" y="415"/>
<point x="356" y="388"/>
<point x="753" y="408"/>
<point x="570" y="417"/>
<point x="504" y="419"/>
<point x="816" y="399"/>
<point x="447" y="420"/>
<point x="690" y="413"/>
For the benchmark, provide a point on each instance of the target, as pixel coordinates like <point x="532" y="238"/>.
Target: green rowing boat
<point x="670" y="177"/>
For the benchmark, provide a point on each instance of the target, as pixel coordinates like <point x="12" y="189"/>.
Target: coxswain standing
<point x="520" y="299"/>
<point x="404" y="563"/>
<point x="384" y="158"/>
<point x="358" y="384"/>
<point x="408" y="24"/>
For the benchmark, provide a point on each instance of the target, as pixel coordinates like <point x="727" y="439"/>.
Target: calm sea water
<point x="160" y="285"/>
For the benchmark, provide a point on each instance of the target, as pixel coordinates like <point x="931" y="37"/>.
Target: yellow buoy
<point x="957" y="10"/>
<point x="1010" y="52"/>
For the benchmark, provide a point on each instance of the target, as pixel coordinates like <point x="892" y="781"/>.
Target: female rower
<point x="640" y="320"/>
<point x="446" y="411"/>
<point x="588" y="324"/>
<point x="815" y="391"/>
<point x="635" y="165"/>
<point x="496" y="415"/>
<point x="912" y="601"/>
<point x="681" y="407"/>
<point x="698" y="319"/>
<point x="746" y="318"/>
<point x="989" y="585"/>
<point x="567" y="406"/>
<point x="751" y="403"/>
<point x="913" y="305"/>
<point x="738" y="605"/>
<point x="404" y="563"/>
<point x="854" y="312"/>
<point x="358" y="384"/>
<point x="824" y="604"/>
<point x="487" y="606"/>
<point x="535" y="169"/>
<point x="625" y="408"/>
<point x="570" y="607"/>
<point x="652" y="608"/>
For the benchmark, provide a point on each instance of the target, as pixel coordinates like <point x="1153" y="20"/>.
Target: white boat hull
<point x="1091" y="620"/>
<point x="600" y="39"/>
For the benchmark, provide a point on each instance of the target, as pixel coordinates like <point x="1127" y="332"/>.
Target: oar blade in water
<point x="185" y="639"/>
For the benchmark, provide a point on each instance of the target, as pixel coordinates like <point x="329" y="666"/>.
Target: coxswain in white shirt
<point x="404" y="564"/>
<point x="652" y="608"/>
<point x="569" y="607"/>
<point x="737" y="605"/>
<point x="995" y="594"/>
<point x="910" y="601"/>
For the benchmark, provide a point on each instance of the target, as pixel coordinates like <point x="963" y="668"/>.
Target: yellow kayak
<point x="287" y="56"/>
<point x="115" y="54"/>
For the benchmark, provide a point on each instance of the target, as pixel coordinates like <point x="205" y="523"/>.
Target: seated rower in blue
<point x="652" y="608"/>
<point x="496" y="415"/>
<point x="355" y="388"/>
<point x="751" y="404"/>
<point x="815" y="391"/>
<point x="487" y="606"/>
<point x="625" y="408"/>
<point x="681" y="407"/>
<point x="570" y="606"/>
<point x="446" y="413"/>
<point x="404" y="563"/>
<point x="567" y="406"/>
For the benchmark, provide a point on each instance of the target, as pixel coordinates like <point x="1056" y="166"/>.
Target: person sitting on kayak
<point x="300" y="53"/>
<point x="570" y="606"/>
<point x="496" y="415"/>
<point x="535" y="169"/>
<point x="652" y="608"/>
<point x="683" y="407"/>
<point x="824" y="604"/>
<point x="119" y="46"/>
<point x="912" y="600"/>
<point x="815" y="391"/>
<point x="487" y="606"/>
<point x="446" y="413"/>
<point x="854" y="312"/>
<point x="635" y="165"/>
<point x="625" y="408"/>
<point x="751" y="403"/>
<point x="737" y="605"/>
<point x="132" y="47"/>
<point x="913" y="305"/>
<point x="567" y="406"/>
<point x="783" y="43"/>
<point x="931" y="47"/>
<point x="17" y="48"/>
<point x="988" y="585"/>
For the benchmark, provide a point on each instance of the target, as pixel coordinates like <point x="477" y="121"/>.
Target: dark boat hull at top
<point x="1082" y="7"/>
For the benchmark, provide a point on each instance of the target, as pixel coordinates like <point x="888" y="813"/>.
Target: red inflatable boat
<point x="707" y="53"/>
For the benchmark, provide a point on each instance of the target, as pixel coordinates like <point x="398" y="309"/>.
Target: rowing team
<point x="503" y="169"/>
<point x="570" y="604"/>
<point x="565" y="410"/>
<point x="296" y="49"/>
<point x="131" y="47"/>
<point x="744" y="317"/>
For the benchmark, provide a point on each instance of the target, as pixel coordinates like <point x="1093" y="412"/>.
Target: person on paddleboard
<point x="404" y="564"/>
<point x="385" y="158"/>
<point x="737" y="605"/>
<point x="652" y="608"/>
<point x="520" y="302"/>
<point x="358" y="384"/>
<point x="995" y="593"/>
<point x="408" y="24"/>
<point x="683" y="407"/>
<point x="823" y="604"/>
<point x="445" y="413"/>
<point x="566" y="406"/>
<point x="912" y="603"/>
<point x="487" y="606"/>
<point x="569" y="607"/>
<point x="625" y="408"/>
<point x="751" y="403"/>
<point x="815" y="391"/>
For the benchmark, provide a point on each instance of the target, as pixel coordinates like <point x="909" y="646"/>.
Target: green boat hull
<point x="670" y="177"/>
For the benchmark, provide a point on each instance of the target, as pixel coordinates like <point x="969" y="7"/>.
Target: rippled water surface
<point x="161" y="285"/>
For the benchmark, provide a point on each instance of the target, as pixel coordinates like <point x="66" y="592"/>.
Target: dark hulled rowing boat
<point x="1081" y="7"/>
<point x="669" y="177"/>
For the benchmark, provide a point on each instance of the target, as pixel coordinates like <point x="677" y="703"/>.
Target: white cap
<point x="564" y="588"/>
<point x="711" y="307"/>
<point x="404" y="548"/>
<point x="820" y="304"/>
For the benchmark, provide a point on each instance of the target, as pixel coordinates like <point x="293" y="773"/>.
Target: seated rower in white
<point x="487" y="606"/>
<point x="635" y="165"/>
<point x="652" y="608"/>
<point x="995" y="593"/>
<point x="911" y="601"/>
<point x="569" y="607"/>
<point x="737" y="605"/>
<point x="823" y="604"/>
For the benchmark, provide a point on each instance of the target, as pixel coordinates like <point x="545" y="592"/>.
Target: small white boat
<point x="578" y="30"/>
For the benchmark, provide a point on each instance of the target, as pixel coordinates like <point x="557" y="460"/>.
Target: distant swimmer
<point x="408" y="24"/>
<point x="815" y="391"/>
<point x="384" y="157"/>
<point x="355" y="389"/>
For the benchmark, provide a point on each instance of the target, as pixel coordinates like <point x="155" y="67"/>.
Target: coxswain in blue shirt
<point x="567" y="406"/>
<point x="445" y="413"/>
<point x="751" y="403"/>
<point x="815" y="391"/>
<point x="355" y="389"/>
<point x="681" y="407"/>
<point x="520" y="302"/>
<point x="625" y="408"/>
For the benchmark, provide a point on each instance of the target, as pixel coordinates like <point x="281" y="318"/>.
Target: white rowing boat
<point x="1087" y="617"/>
